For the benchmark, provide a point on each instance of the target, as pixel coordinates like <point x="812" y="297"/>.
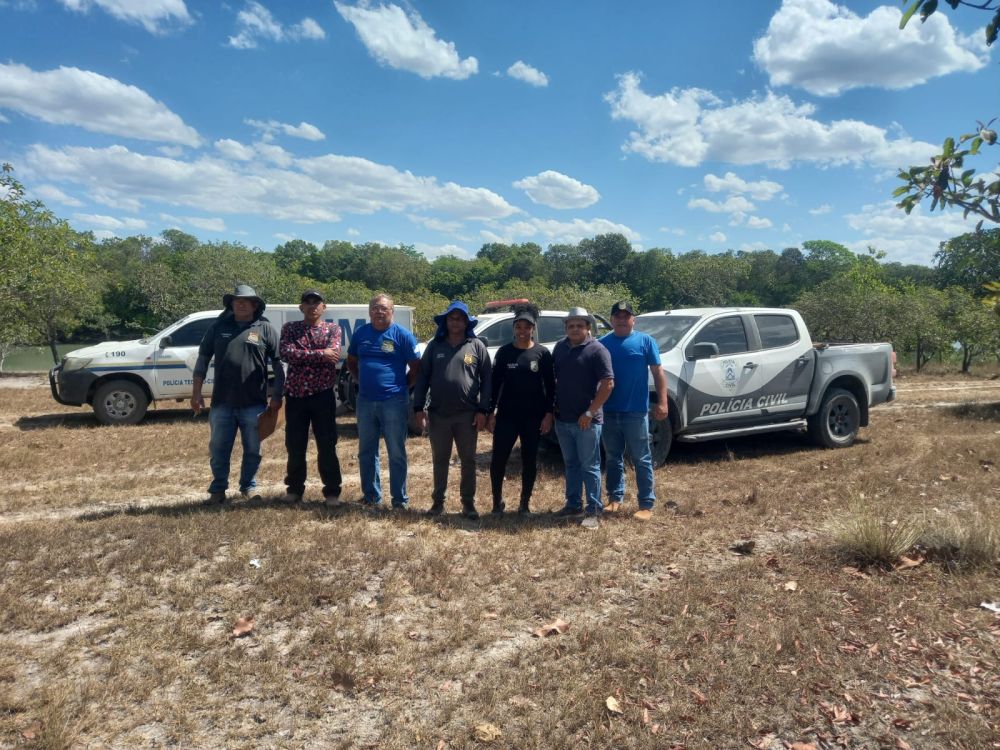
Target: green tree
<point x="522" y="261"/>
<point x="296" y="256"/>
<point x="48" y="283"/>
<point x="970" y="261"/>
<point x="972" y="325"/>
<point x="945" y="180"/>
<point x="855" y="306"/>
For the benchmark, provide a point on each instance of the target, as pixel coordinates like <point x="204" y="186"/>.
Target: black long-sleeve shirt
<point x="523" y="381"/>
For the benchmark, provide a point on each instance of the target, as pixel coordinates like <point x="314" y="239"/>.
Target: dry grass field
<point x="781" y="597"/>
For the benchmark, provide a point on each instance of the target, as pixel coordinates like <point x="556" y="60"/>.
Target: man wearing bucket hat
<point x="634" y="356"/>
<point x="242" y="343"/>
<point x="455" y="372"/>
<point x="584" y="380"/>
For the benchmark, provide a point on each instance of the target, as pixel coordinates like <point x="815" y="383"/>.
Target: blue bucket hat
<point x="442" y="328"/>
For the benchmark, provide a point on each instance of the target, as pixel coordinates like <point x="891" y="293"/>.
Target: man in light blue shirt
<point x="626" y="412"/>
<point x="378" y="357"/>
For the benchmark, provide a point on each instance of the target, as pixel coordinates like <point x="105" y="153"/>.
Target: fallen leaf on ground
<point x="802" y="746"/>
<point x="902" y="744"/>
<point x="487" y="732"/>
<point x="557" y="627"/>
<point x="244" y="626"/>
<point x="699" y="697"/>
<point x="613" y="705"/>
<point x="909" y="562"/>
<point x="32" y="731"/>
<point x="792" y="586"/>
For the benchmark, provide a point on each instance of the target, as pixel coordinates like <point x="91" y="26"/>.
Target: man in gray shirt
<point x="455" y="370"/>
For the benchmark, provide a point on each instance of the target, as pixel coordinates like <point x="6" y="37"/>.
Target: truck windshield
<point x="666" y="329"/>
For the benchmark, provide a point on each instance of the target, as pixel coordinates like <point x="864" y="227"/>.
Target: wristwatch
<point x="589" y="414"/>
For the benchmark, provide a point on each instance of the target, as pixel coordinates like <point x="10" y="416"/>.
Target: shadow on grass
<point x="85" y="420"/>
<point x="982" y="412"/>
<point x="508" y="523"/>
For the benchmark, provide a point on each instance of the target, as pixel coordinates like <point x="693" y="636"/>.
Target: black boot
<point x="469" y="511"/>
<point x="498" y="506"/>
<point x="523" y="507"/>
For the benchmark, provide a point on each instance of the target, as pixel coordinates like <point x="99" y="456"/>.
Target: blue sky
<point x="728" y="125"/>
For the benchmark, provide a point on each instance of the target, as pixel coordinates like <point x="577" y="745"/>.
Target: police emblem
<point x="469" y="359"/>
<point x="253" y="337"/>
<point x="729" y="379"/>
<point x="388" y="346"/>
<point x="534" y="365"/>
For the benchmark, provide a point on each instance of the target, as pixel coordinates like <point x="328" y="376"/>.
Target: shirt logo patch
<point x="253" y="337"/>
<point x="469" y="359"/>
<point x="533" y="366"/>
<point x="388" y="346"/>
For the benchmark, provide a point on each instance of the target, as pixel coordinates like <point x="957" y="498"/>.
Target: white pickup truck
<point x="120" y="379"/>
<point x="743" y="371"/>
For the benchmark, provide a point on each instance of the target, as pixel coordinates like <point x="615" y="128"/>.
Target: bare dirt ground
<point x="120" y="594"/>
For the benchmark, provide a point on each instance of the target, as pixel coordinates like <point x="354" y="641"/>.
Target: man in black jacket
<point x="242" y="343"/>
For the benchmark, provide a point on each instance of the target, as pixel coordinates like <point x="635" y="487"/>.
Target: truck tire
<point x="120" y="402"/>
<point x="661" y="439"/>
<point x="838" y="420"/>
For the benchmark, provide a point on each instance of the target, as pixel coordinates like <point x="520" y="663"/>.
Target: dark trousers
<point x="460" y="431"/>
<point x="505" y="434"/>
<point x="318" y="411"/>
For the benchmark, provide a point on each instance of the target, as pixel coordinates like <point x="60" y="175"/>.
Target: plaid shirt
<point x="302" y="348"/>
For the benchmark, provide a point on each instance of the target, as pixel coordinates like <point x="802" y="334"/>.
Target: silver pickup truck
<point x="742" y="371"/>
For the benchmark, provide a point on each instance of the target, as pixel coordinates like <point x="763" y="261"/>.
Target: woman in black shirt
<point x="523" y="392"/>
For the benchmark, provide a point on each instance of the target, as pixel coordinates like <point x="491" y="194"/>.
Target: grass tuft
<point x="871" y="535"/>
<point x="967" y="542"/>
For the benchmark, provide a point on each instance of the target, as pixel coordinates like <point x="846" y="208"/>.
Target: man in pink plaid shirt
<point x="311" y="347"/>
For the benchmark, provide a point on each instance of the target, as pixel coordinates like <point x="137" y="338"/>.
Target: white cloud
<point x="153" y="15"/>
<point x="762" y="190"/>
<point x="304" y="190"/>
<point x="199" y="222"/>
<point x="255" y="23"/>
<point x="555" y="190"/>
<point x="524" y="72"/>
<point x="303" y="130"/>
<point x="234" y="149"/>
<point x="436" y="225"/>
<point x="674" y="231"/>
<point x="557" y="231"/>
<point x="717" y="237"/>
<point x="827" y="49"/>
<point x="109" y="222"/>
<point x="756" y="222"/>
<point x="70" y="96"/>
<point x="173" y="152"/>
<point x="54" y="195"/>
<point x="352" y="232"/>
<point x="732" y="204"/>
<point x="824" y="208"/>
<point x="907" y="239"/>
<point x="405" y="42"/>
<point x="689" y="126"/>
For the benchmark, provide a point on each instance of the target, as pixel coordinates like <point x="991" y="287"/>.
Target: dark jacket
<point x="241" y="352"/>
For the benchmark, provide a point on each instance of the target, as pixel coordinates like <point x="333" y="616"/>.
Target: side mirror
<point x="702" y="350"/>
<point x="165" y="342"/>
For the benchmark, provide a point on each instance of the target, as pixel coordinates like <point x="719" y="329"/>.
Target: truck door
<point x="785" y="365"/>
<point x="721" y="389"/>
<point x="174" y="359"/>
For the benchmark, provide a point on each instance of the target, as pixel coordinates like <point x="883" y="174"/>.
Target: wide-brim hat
<point x="243" y="291"/>
<point x="461" y="307"/>
<point x="580" y="312"/>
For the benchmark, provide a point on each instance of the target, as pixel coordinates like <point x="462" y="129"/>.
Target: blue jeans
<point x="224" y="420"/>
<point x="378" y="419"/>
<point x="631" y="430"/>
<point x="581" y="451"/>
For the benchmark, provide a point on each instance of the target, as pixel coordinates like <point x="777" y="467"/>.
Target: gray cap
<point x="526" y="315"/>
<point x="580" y="312"/>
<point x="243" y="291"/>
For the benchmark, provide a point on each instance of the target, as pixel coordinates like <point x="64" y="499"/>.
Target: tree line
<point x="57" y="284"/>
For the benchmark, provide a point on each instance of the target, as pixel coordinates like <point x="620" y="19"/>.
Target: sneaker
<point x="332" y="501"/>
<point x="643" y="514"/>
<point x="469" y="511"/>
<point x="291" y="498"/>
<point x="613" y="507"/>
<point x="523" y="508"/>
<point x="401" y="508"/>
<point x="567" y="512"/>
<point x="435" y="510"/>
<point x="215" y="498"/>
<point x="498" y="509"/>
<point x="590" y="521"/>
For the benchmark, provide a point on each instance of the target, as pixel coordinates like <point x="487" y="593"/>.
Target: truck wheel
<point x="120" y="402"/>
<point x="661" y="438"/>
<point x="838" y="420"/>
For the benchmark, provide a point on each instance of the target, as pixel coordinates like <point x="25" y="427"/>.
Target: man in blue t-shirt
<point x="626" y="420"/>
<point x="378" y="357"/>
